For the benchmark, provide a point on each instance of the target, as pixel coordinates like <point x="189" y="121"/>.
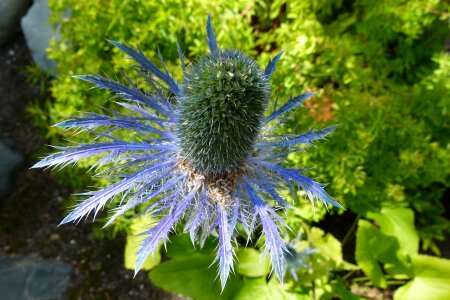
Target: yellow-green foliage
<point x="148" y="24"/>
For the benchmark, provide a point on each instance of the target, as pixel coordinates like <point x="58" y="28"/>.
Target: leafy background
<point x="382" y="71"/>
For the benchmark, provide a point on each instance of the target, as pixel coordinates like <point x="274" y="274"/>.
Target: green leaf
<point x="193" y="276"/>
<point x="327" y="245"/>
<point x="276" y="290"/>
<point x="133" y="243"/>
<point x="431" y="280"/>
<point x="181" y="245"/>
<point x="258" y="288"/>
<point x="399" y="223"/>
<point x="373" y="247"/>
<point x="349" y="266"/>
<point x="252" y="289"/>
<point x="251" y="263"/>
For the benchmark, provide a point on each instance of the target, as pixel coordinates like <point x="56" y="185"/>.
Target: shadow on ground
<point x="38" y="259"/>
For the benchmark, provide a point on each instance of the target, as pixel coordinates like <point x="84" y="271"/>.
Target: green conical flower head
<point x="223" y="98"/>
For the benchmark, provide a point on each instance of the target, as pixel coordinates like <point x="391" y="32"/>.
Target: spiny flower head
<point x="200" y="151"/>
<point x="223" y="99"/>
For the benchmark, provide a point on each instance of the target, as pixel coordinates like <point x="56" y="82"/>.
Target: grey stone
<point x="10" y="13"/>
<point x="9" y="161"/>
<point x="30" y="278"/>
<point x="38" y="32"/>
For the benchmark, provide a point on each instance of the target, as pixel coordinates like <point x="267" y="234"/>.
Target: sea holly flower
<point x="202" y="150"/>
<point x="297" y="260"/>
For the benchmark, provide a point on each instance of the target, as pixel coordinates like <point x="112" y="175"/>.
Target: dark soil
<point x="29" y="215"/>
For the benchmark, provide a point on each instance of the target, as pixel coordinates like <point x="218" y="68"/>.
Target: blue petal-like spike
<point x="304" y="138"/>
<point x="270" y="68"/>
<point x="166" y="202"/>
<point x="181" y="56"/>
<point x="264" y="183"/>
<point x="139" y="197"/>
<point x="162" y="229"/>
<point x="96" y="120"/>
<point x="99" y="199"/>
<point x="234" y="218"/>
<point x="313" y="189"/>
<point x="146" y="64"/>
<point x="130" y="93"/>
<point x="163" y="63"/>
<point x="244" y="214"/>
<point x="159" y="89"/>
<point x="225" y="250"/>
<point x="75" y="153"/>
<point x="145" y="114"/>
<point x="292" y="103"/>
<point x="274" y="244"/>
<point x="200" y="215"/>
<point x="131" y="161"/>
<point x="212" y="42"/>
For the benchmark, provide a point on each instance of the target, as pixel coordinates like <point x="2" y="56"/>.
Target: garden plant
<point x="380" y="70"/>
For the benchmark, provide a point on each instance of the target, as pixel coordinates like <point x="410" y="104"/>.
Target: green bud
<point x="223" y="98"/>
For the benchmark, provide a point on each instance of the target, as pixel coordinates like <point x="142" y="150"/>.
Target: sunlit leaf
<point x="326" y="244"/>
<point x="399" y="223"/>
<point x="193" y="276"/>
<point x="373" y="248"/>
<point x="133" y="243"/>
<point x="251" y="263"/>
<point x="431" y="280"/>
<point x="258" y="288"/>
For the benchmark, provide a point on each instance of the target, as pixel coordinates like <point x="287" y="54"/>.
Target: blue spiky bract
<point x="198" y="151"/>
